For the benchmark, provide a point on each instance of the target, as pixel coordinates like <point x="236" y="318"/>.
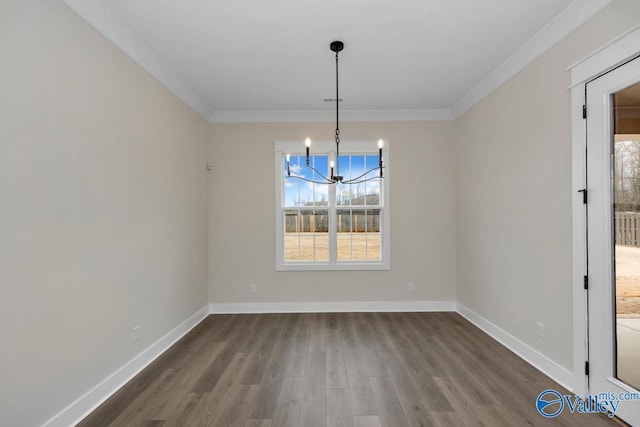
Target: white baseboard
<point x="82" y="407"/>
<point x="538" y="360"/>
<point x="331" y="307"/>
<point x="101" y="392"/>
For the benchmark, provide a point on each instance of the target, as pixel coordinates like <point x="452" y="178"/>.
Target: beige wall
<point x="241" y="209"/>
<point x="102" y="210"/>
<point x="513" y="193"/>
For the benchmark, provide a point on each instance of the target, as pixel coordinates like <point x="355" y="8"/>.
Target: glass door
<point x="626" y="189"/>
<point x="613" y="165"/>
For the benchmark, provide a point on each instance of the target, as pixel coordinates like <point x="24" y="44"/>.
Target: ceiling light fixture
<point x="336" y="178"/>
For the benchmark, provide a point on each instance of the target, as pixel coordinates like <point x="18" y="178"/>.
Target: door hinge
<point x="584" y="111"/>
<point x="586" y="368"/>
<point x="584" y="195"/>
<point x="586" y="282"/>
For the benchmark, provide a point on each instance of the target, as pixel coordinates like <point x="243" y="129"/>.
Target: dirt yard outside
<point x="351" y="246"/>
<point x="628" y="281"/>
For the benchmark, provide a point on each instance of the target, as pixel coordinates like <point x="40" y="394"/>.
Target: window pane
<point x="354" y="167"/>
<point x="373" y="237"/>
<point x="343" y="196"/>
<point x="343" y="241"/>
<point x="306" y="235"/>
<point x="298" y="192"/>
<point x="343" y="235"/>
<point x="372" y="188"/>
<point x="358" y="237"/>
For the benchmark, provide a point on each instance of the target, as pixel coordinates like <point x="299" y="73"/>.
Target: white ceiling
<point x="257" y="60"/>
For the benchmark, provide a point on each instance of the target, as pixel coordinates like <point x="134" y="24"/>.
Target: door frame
<point x="613" y="54"/>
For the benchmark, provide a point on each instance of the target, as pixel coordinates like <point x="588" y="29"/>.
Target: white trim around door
<point x="603" y="61"/>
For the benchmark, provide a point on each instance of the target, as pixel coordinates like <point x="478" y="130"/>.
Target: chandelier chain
<point x="336" y="178"/>
<point x="337" y="120"/>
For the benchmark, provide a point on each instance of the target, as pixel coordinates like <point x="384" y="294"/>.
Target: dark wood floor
<point x="335" y="369"/>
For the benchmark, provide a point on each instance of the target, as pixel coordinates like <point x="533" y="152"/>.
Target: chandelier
<point x="336" y="178"/>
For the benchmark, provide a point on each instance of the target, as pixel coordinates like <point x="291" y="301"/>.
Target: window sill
<point x="351" y="266"/>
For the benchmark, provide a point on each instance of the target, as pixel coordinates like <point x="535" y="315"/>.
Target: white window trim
<point x="328" y="147"/>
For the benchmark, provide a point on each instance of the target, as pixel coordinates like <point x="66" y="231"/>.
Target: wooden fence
<point x="355" y="221"/>
<point x="627" y="228"/>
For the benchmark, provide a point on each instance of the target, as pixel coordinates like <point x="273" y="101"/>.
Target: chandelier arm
<point x="320" y="173"/>
<point x="371" y="178"/>
<point x="326" y="180"/>
<point x="311" y="180"/>
<point x="352" y="181"/>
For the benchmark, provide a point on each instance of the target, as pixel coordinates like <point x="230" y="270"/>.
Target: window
<point x="325" y="226"/>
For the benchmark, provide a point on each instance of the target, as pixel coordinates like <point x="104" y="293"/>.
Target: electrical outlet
<point x="411" y="286"/>
<point x="540" y="329"/>
<point x="252" y="288"/>
<point x="136" y="333"/>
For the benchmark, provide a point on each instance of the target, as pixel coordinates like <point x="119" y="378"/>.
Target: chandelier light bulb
<point x="307" y="142"/>
<point x="380" y="143"/>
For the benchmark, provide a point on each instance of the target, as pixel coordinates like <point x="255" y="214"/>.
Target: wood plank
<point x="238" y="405"/>
<point x="336" y="370"/>
<point x="267" y="398"/>
<point x="261" y="350"/>
<point x="187" y="412"/>
<point x="289" y="403"/>
<point x="369" y="345"/>
<point x="448" y="419"/>
<point x="330" y="320"/>
<point x="366" y="421"/>
<point x="389" y="407"/>
<point x="191" y="374"/>
<point x="314" y="405"/>
<point x="494" y="415"/>
<point x="360" y="394"/>
<point x="258" y="423"/>
<point x="436" y="362"/>
<point x="297" y="358"/>
<point x="415" y="406"/>
<point x="317" y="332"/>
<point x="149" y="403"/>
<point x="210" y="377"/>
<point x="465" y="408"/>
<point x="217" y="400"/>
<point x="338" y="408"/>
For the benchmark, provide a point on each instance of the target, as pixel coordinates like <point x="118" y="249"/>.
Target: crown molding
<point x="574" y="15"/>
<point x="107" y="24"/>
<point x="111" y="27"/>
<point x="432" y="115"/>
